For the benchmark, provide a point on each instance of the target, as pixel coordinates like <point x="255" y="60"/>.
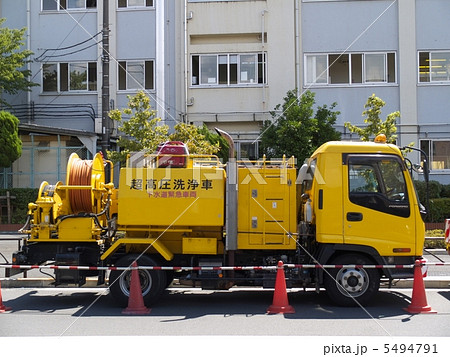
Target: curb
<point x="38" y="283"/>
<point x="433" y="282"/>
<point x="439" y="251"/>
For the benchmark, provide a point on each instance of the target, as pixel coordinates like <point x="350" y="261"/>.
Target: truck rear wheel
<point x="350" y="286"/>
<point x="153" y="282"/>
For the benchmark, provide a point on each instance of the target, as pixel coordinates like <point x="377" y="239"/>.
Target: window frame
<point x="63" y="80"/>
<point x="429" y="78"/>
<point x="240" y="146"/>
<point x="124" y="71"/>
<point x="384" y="199"/>
<point x="430" y="152"/>
<point x="63" y="5"/>
<point x="231" y="70"/>
<point x="120" y="7"/>
<point x="317" y="73"/>
<point x="72" y="71"/>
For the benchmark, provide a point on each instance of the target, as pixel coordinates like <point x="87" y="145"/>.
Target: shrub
<point x="434" y="233"/>
<point x="439" y="210"/>
<point x="421" y="190"/>
<point x="445" y="192"/>
<point x="435" y="189"/>
<point x="434" y="244"/>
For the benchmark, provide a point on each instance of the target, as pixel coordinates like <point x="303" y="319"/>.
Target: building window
<point x="438" y="152"/>
<point x="229" y="69"/>
<point x="350" y="68"/>
<point x="434" y="66"/>
<point x="136" y="75"/>
<point x="247" y="150"/>
<point x="229" y="0"/>
<point x="135" y="3"/>
<point x="55" y="5"/>
<point x="50" y="77"/>
<point x="69" y="77"/>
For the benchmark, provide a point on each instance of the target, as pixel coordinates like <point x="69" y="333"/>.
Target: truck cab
<point x="360" y="202"/>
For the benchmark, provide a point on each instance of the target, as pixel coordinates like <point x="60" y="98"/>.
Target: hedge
<point x="19" y="204"/>
<point x="439" y="195"/>
<point x="439" y="210"/>
<point x="435" y="189"/>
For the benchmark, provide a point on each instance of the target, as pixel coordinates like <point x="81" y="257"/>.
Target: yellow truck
<point x="351" y="203"/>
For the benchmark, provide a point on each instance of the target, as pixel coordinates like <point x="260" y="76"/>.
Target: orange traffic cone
<point x="135" y="301"/>
<point x="3" y="308"/>
<point x="419" y="303"/>
<point x="280" y="300"/>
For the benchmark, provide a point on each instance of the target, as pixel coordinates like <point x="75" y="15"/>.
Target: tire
<point x="153" y="282"/>
<point x="351" y="286"/>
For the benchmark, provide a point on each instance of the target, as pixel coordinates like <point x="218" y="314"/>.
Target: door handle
<point x="354" y="216"/>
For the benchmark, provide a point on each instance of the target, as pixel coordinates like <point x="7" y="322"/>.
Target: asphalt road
<point x="192" y="322"/>
<point x="187" y="311"/>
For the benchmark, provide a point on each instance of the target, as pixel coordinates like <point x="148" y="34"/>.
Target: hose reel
<point x="90" y="175"/>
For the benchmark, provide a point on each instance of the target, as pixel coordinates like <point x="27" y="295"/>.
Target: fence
<point x="39" y="163"/>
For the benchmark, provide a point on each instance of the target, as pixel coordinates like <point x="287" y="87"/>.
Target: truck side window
<point x="377" y="182"/>
<point x="362" y="178"/>
<point x="393" y="179"/>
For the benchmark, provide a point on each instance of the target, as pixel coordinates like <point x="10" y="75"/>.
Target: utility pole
<point x="105" y="80"/>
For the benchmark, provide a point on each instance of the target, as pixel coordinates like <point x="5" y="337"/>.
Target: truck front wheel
<point x="351" y="286"/>
<point x="153" y="282"/>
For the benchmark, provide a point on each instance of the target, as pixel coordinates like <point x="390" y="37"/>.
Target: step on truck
<point x="351" y="203"/>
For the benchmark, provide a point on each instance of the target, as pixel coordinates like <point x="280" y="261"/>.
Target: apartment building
<point x="64" y="113"/>
<point x="227" y="64"/>
<point x="241" y="61"/>
<point x="397" y="49"/>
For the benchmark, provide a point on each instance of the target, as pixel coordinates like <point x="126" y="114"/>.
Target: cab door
<point x="377" y="210"/>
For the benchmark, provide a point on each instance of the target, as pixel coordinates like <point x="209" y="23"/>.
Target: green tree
<point x="217" y="140"/>
<point x="143" y="131"/>
<point x="13" y="76"/>
<point x="141" y="128"/>
<point x="194" y="139"/>
<point x="375" y="125"/>
<point x="9" y="139"/>
<point x="297" y="131"/>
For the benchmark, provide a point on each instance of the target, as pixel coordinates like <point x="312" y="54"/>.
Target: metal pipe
<point x="105" y="81"/>
<point x="186" y="63"/>
<point x="230" y="141"/>
<point x="297" y="46"/>
<point x="263" y="64"/>
<point x="29" y="47"/>
<point x="231" y="220"/>
<point x="160" y="34"/>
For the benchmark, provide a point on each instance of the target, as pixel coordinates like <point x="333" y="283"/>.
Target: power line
<point x="68" y="53"/>
<point x="42" y="55"/>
